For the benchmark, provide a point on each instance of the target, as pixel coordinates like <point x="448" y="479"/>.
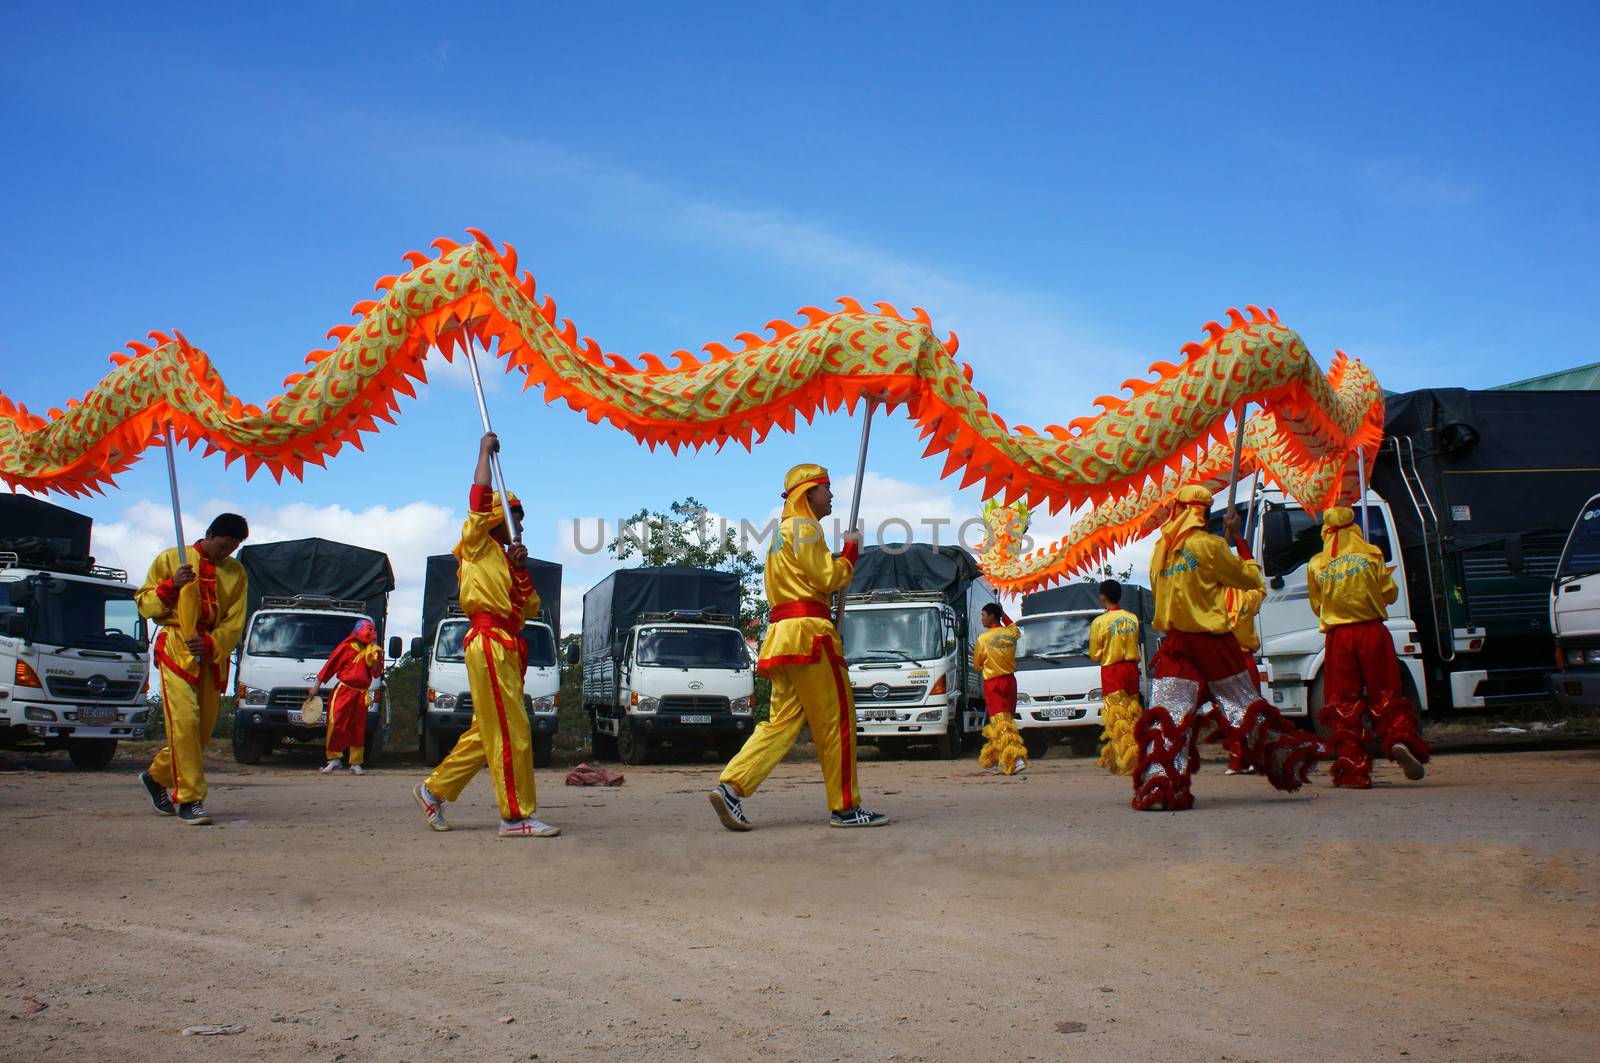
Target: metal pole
<point x="494" y="459"/>
<point x="1238" y="449"/>
<point x="177" y="510"/>
<point x="855" y="495"/>
<point x="1361" y="488"/>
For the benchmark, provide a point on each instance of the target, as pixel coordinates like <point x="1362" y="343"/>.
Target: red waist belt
<point x="795" y="610"/>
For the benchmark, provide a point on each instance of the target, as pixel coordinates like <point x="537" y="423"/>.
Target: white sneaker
<point x="356" y="769"/>
<point x="527" y="828"/>
<point x="331" y="767"/>
<point x="431" y="806"/>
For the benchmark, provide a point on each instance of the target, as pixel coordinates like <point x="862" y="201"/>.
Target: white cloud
<point x="1406" y="183"/>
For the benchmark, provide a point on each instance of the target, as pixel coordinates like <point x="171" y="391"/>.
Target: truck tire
<point x="372" y="751"/>
<point x="433" y="747"/>
<point x="543" y="750"/>
<point x="632" y="749"/>
<point x="1037" y="743"/>
<point x="953" y="742"/>
<point x="91" y="754"/>
<point x="247" y="748"/>
<point x="1314" y="699"/>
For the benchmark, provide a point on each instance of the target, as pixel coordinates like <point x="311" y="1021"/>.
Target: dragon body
<point x="1125" y="461"/>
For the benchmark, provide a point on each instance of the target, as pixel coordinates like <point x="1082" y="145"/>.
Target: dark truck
<point x="305" y="597"/>
<point x="445" y="707"/>
<point x="664" y="662"/>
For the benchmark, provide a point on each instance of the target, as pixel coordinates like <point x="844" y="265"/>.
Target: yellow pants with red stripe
<point x="191" y="718"/>
<point x="817" y="695"/>
<point x="500" y="735"/>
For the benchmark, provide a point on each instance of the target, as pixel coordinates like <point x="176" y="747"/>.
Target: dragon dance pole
<point x="1238" y="449"/>
<point x="855" y="497"/>
<point x="177" y="510"/>
<point x="1361" y="489"/>
<point x="494" y="459"/>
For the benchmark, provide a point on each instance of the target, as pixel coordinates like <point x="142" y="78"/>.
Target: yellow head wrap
<point x="1190" y="511"/>
<point x="1340" y="532"/>
<point x="800" y="480"/>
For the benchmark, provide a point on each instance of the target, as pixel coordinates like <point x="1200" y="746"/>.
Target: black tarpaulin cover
<point x="612" y="606"/>
<point x="440" y="593"/>
<point x="949" y="570"/>
<point x="1495" y="463"/>
<point x="47" y="528"/>
<point x="318" y="566"/>
<point x="1077" y="596"/>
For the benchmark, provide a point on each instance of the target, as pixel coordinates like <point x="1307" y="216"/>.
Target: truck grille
<point x="73" y="688"/>
<point x="694" y="703"/>
<point x="891" y="694"/>
<point x="464" y="702"/>
<point x="288" y="697"/>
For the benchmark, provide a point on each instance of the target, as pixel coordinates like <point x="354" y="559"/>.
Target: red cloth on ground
<point x="592" y="775"/>
<point x="1000" y="694"/>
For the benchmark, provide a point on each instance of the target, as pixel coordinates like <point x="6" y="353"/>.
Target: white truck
<point x="665" y="663"/>
<point x="911" y="618"/>
<point x="1575" y="613"/>
<point x="1058" y="685"/>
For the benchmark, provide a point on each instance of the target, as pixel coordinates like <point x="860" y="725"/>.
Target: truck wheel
<point x="433" y="747"/>
<point x="91" y="754"/>
<point x="1314" y="700"/>
<point x="373" y="749"/>
<point x="247" y="748"/>
<point x="953" y="741"/>
<point x="1037" y="743"/>
<point x="543" y="748"/>
<point x="632" y="749"/>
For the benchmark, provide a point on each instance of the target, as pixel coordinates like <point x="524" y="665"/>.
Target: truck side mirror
<point x="571" y="653"/>
<point x="416" y="647"/>
<point x="15" y="625"/>
<point x="395" y="647"/>
<point x="1277" y="534"/>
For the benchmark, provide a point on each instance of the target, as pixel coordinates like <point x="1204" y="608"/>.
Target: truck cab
<point x="1058" y="684"/>
<point x="448" y="699"/>
<point x="1575" y="613"/>
<point x="285" y="644"/>
<point x="910" y="671"/>
<point x="685" y="678"/>
<point x="73" y="660"/>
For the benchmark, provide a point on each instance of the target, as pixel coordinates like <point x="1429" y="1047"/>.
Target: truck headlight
<point x="1095" y="694"/>
<point x="139" y="717"/>
<point x="252" y="696"/>
<point x="645" y="704"/>
<point x="743" y="706"/>
<point x="931" y="714"/>
<point x="42" y="715"/>
<point x="1022" y="696"/>
<point x="444" y="701"/>
<point x="547" y="703"/>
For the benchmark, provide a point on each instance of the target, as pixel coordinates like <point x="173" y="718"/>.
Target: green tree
<point x="1105" y="572"/>
<point x="687" y="535"/>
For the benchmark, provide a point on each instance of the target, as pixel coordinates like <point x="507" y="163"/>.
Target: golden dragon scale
<point x="1135" y="445"/>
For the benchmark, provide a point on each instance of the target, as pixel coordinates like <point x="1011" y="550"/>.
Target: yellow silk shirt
<point x="995" y="653"/>
<point x="1114" y="637"/>
<point x="1242" y="609"/>
<point x="1350" y="588"/>
<point x="181" y="617"/>
<point x="1189" y="583"/>
<point x="483" y="570"/>
<point x="800" y="567"/>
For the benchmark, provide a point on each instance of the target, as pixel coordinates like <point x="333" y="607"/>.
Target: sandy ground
<point x="1028" y="918"/>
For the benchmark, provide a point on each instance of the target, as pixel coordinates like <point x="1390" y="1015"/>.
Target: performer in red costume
<point x="1350" y="589"/>
<point x="1201" y="660"/>
<point x="357" y="661"/>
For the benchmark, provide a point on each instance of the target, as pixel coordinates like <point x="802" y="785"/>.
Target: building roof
<point x="1581" y="378"/>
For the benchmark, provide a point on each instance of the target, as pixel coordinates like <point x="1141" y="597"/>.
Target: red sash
<point x="795" y="610"/>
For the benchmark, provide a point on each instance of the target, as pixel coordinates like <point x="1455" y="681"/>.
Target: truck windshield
<point x="710" y="647"/>
<point x="1305" y="540"/>
<point x="451" y="646"/>
<point x="913" y="634"/>
<point x="1054" y="637"/>
<point x="1582" y="555"/>
<point x="302" y="636"/>
<point x="85" y="616"/>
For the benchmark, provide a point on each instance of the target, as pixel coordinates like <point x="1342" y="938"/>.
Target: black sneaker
<point x="158" y="795"/>
<point x="729" y="809"/>
<point x="858" y="817"/>
<point x="193" y="813"/>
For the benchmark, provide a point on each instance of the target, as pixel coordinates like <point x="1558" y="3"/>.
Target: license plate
<point x="694" y="719"/>
<point x="878" y="714"/>
<point x="97" y="714"/>
<point x="1056" y="714"/>
<point x="295" y="717"/>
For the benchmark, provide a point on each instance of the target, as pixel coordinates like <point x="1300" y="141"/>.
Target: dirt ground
<point x="1028" y="918"/>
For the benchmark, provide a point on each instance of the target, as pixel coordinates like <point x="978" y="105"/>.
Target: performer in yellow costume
<point x="497" y="595"/>
<point x="1242" y="606"/>
<point x="1114" y="644"/>
<point x="804" y="658"/>
<point x="199" y="608"/>
<point x="994" y="655"/>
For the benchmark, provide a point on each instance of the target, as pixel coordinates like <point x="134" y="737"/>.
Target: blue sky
<point x="1074" y="192"/>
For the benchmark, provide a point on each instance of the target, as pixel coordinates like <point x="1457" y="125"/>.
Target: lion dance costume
<point x="1242" y="606"/>
<point x="356" y="661"/>
<point x="1200" y="660"/>
<point x="1114" y="643"/>
<point x="994" y="655"/>
<point x="1350" y="589"/>
<point x="496" y="597"/>
<point x="212" y="609"/>
<point x="802" y="654"/>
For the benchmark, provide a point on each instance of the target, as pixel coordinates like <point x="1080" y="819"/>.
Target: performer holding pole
<point x="497" y="595"/>
<point x="804" y="658"/>
<point x="356" y="661"/>
<point x="197" y="599"/>
<point x="1350" y="589"/>
<point x="994" y="656"/>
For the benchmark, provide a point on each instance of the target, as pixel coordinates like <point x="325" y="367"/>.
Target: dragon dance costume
<point x="1201" y="660"/>
<point x="210" y="608"/>
<point x="994" y="655"/>
<point x="1242" y="606"/>
<point x="1350" y="589"/>
<point x="356" y="661"/>
<point x="802" y="654"/>
<point x="1114" y="643"/>
<point x="496" y="597"/>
